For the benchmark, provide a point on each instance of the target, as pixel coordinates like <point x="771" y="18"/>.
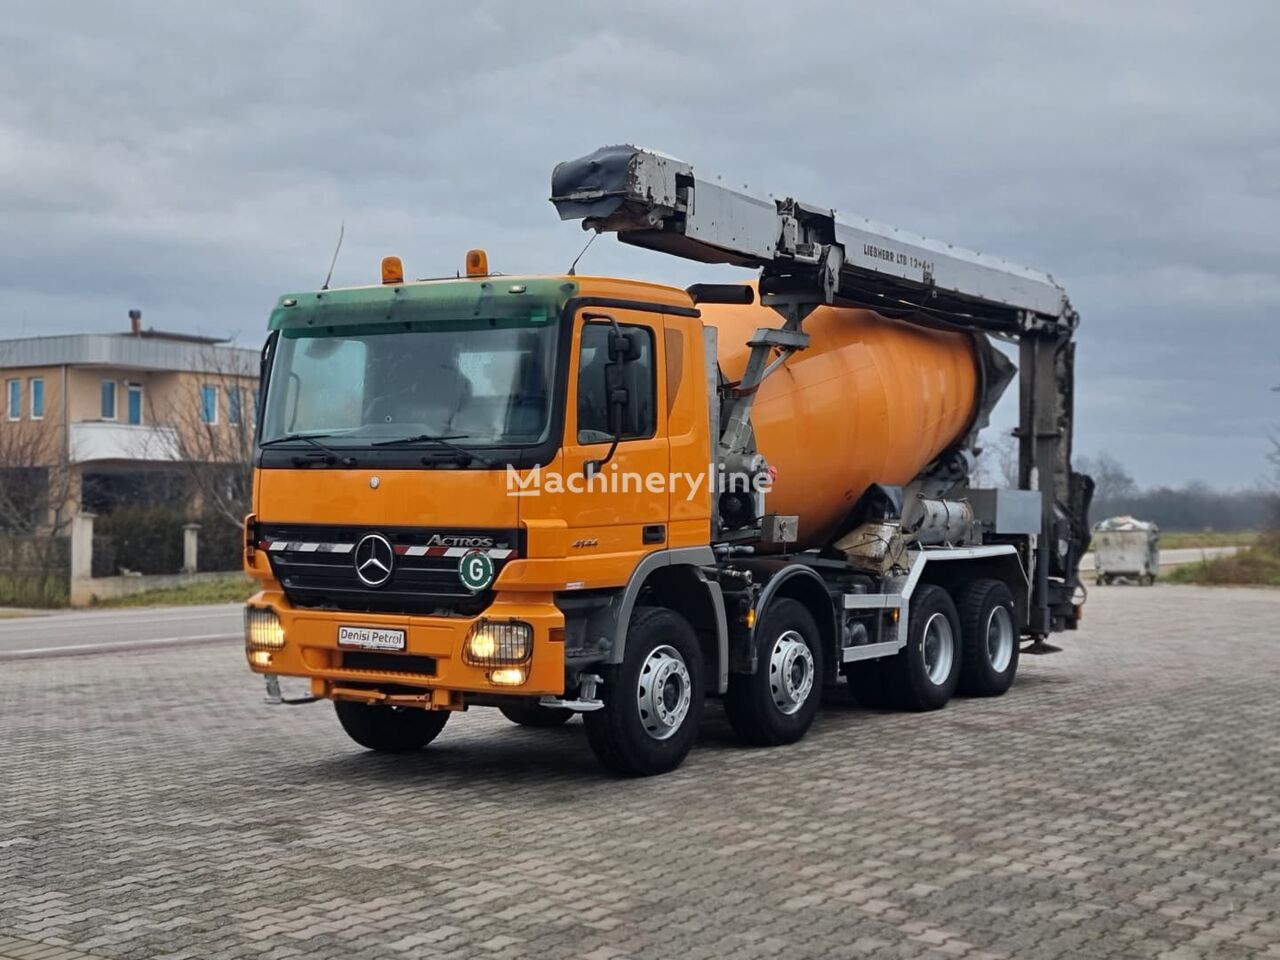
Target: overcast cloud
<point x="196" y="161"/>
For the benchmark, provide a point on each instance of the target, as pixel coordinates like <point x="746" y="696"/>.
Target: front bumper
<point x="430" y="671"/>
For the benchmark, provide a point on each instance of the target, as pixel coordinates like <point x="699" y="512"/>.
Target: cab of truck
<point x="437" y="480"/>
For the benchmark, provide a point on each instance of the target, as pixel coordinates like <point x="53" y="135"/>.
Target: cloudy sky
<point x="195" y="161"/>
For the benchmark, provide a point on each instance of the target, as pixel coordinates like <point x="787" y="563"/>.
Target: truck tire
<point x="988" y="621"/>
<point x="778" y="702"/>
<point x="868" y="684"/>
<point x="652" y="700"/>
<point x="535" y="715"/>
<point x="923" y="675"/>
<point x="390" y="729"/>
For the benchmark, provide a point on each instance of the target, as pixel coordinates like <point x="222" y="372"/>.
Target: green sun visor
<point x="511" y="300"/>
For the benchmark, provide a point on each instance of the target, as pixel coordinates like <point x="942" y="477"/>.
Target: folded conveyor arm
<point x="806" y="257"/>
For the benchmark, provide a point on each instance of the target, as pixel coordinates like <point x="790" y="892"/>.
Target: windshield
<point x="482" y="381"/>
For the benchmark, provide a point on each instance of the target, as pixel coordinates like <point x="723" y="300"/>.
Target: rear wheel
<point x="923" y="675"/>
<point x="390" y="729"/>
<point x="652" y="700"/>
<point x="988" y="624"/>
<point x="535" y="715"/>
<point x="777" y="703"/>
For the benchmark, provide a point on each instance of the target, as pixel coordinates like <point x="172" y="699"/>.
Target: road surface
<point x="1174" y="558"/>
<point x="86" y="632"/>
<point x="1118" y="802"/>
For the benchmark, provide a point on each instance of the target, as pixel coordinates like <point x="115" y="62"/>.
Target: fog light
<point x="508" y="676"/>
<point x="262" y="630"/>
<point x="490" y="643"/>
<point x="259" y="658"/>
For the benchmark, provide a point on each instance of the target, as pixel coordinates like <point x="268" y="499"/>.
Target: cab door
<point x="624" y="508"/>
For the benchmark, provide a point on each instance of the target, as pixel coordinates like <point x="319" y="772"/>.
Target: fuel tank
<point x="871" y="400"/>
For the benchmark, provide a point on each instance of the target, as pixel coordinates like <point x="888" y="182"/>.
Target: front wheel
<point x="777" y="703"/>
<point x="652" y="700"/>
<point x="390" y="729"/>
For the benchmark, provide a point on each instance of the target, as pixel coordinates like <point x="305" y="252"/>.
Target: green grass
<point x="33" y="591"/>
<point x="233" y="588"/>
<point x="1179" y="539"/>
<point x="1255" y="566"/>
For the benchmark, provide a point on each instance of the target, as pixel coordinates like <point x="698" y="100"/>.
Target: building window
<point x="37" y="398"/>
<point x="108" y="399"/>
<point x="235" y="400"/>
<point x="14" y="392"/>
<point x="134" y="403"/>
<point x="209" y="404"/>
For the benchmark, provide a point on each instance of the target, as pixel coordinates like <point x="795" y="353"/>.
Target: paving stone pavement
<point x="1120" y="801"/>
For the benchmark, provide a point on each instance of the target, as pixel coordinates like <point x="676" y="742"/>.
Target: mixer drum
<point x="871" y="400"/>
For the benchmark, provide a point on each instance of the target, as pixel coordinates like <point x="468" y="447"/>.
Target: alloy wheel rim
<point x="938" y="648"/>
<point x="663" y="692"/>
<point x="1000" y="639"/>
<point x="790" y="672"/>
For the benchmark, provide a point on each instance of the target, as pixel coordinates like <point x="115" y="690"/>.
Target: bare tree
<point x="997" y="464"/>
<point x="211" y="434"/>
<point x="38" y="499"/>
<point x="1111" y="481"/>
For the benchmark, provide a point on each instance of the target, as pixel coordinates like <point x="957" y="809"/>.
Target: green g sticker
<point x="476" y="570"/>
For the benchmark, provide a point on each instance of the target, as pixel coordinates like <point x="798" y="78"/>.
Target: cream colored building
<point x="114" y="416"/>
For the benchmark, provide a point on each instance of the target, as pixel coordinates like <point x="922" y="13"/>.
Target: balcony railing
<point x="122" y="441"/>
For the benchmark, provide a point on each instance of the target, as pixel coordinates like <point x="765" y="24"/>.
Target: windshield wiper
<point x="461" y="451"/>
<point x="330" y="455"/>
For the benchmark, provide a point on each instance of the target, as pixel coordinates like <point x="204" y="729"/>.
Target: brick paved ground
<point x="1121" y="801"/>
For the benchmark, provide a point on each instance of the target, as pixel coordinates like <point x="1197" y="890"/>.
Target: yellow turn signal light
<point x="477" y="263"/>
<point x="392" y="270"/>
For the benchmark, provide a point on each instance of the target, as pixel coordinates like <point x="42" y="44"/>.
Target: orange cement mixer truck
<point x="586" y="495"/>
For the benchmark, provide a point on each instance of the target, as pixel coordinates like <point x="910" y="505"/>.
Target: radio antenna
<point x="342" y="229"/>
<point x="573" y="267"/>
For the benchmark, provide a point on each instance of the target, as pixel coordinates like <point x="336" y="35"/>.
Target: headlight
<point x="491" y="643"/>
<point x="508" y="676"/>
<point x="262" y="630"/>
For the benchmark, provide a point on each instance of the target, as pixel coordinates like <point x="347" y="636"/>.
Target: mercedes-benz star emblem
<point x="374" y="559"/>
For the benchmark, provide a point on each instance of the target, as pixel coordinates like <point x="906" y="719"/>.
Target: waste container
<point x="1128" y="549"/>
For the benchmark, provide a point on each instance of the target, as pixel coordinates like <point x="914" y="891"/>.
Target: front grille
<point x="315" y="567"/>
<point x="388" y="662"/>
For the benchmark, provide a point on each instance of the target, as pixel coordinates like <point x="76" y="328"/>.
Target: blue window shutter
<point x="209" y="404"/>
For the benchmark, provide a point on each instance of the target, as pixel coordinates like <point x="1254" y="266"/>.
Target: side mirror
<point x="619" y="398"/>
<point x="624" y="347"/>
